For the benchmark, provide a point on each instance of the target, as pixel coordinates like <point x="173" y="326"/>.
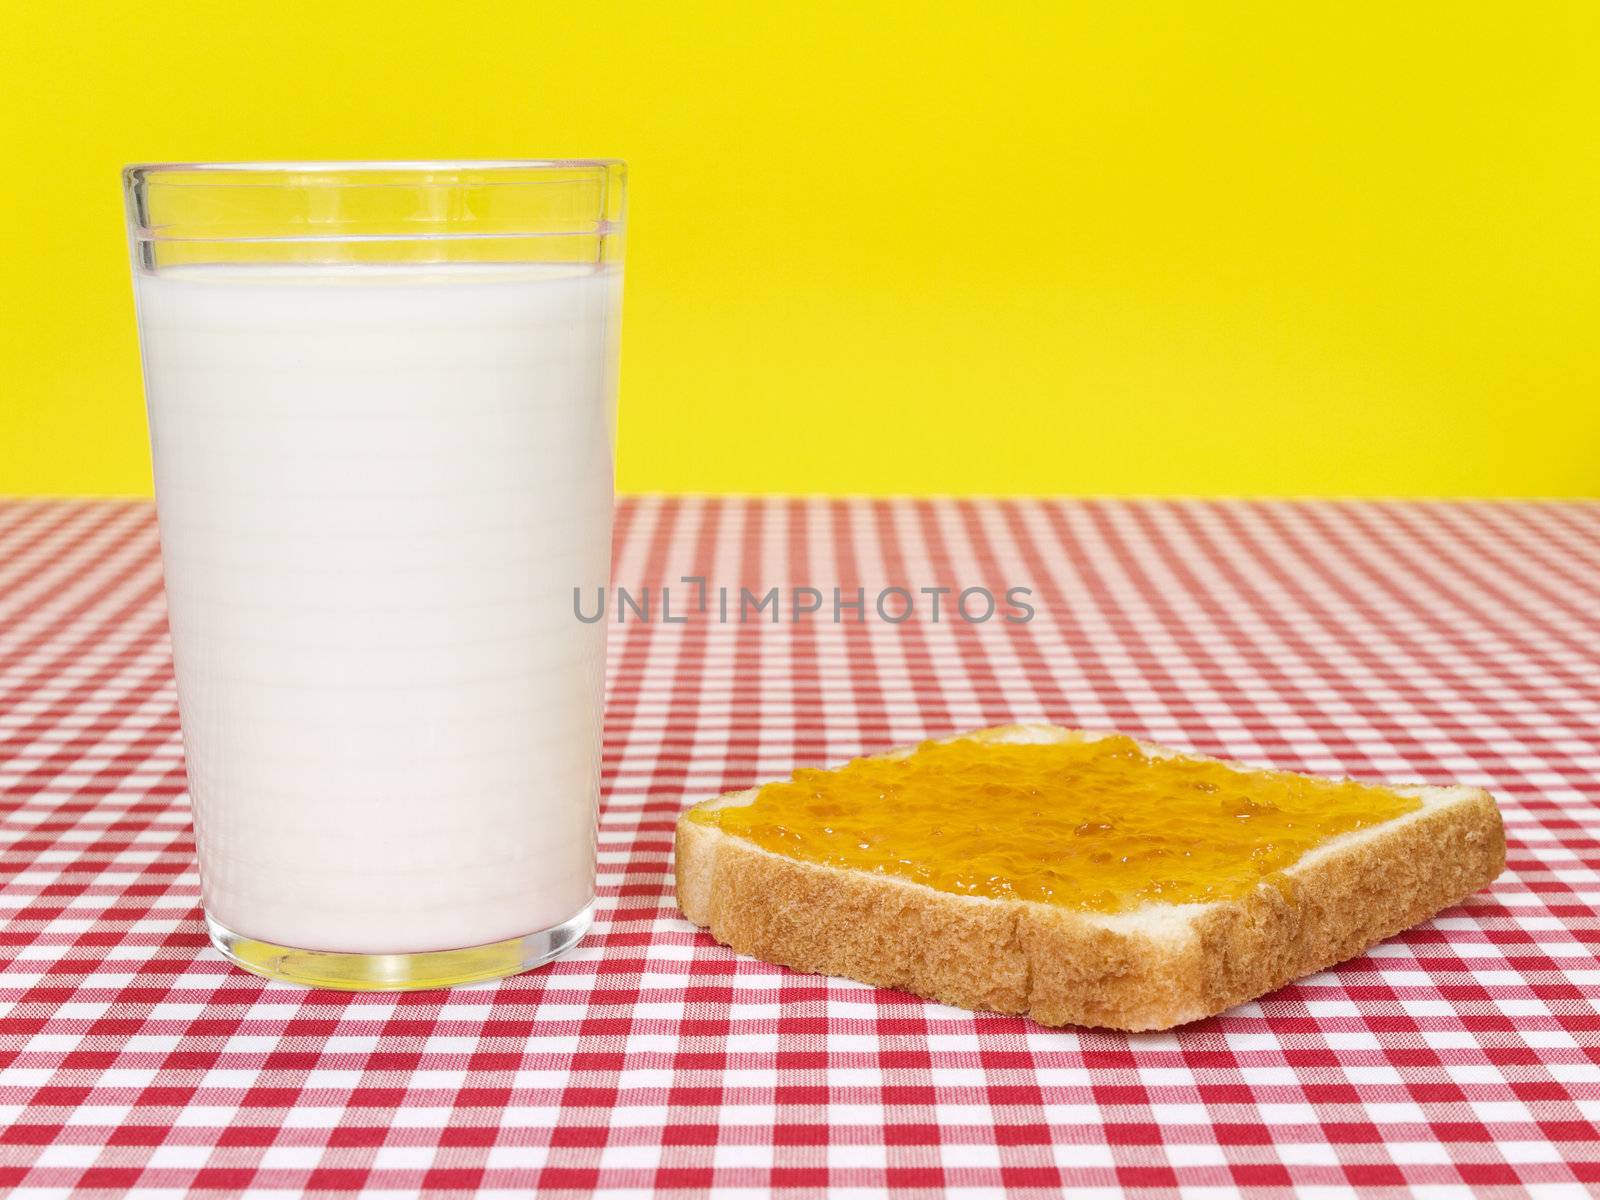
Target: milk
<point x="377" y="488"/>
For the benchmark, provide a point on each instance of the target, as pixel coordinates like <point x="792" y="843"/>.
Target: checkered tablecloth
<point x="1388" y="641"/>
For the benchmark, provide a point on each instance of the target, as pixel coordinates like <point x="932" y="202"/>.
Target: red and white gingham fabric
<point x="1395" y="641"/>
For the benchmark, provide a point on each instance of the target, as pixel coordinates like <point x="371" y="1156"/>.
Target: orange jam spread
<point x="1099" y="826"/>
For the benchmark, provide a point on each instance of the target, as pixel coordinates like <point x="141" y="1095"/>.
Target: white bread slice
<point x="1149" y="968"/>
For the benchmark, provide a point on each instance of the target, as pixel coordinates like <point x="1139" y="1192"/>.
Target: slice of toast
<point x="1150" y="967"/>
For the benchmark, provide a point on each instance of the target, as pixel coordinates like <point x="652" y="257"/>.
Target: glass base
<point x="399" y="972"/>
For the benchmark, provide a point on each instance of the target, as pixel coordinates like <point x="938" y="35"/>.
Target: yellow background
<point x="1201" y="248"/>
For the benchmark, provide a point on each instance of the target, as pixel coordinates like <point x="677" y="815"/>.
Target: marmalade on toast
<point x="1098" y="826"/>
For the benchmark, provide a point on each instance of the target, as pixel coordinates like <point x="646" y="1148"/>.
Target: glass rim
<point x="355" y="167"/>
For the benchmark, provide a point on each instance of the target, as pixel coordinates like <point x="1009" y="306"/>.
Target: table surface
<point x="1384" y="640"/>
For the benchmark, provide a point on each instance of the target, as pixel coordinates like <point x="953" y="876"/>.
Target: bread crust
<point x="1162" y="966"/>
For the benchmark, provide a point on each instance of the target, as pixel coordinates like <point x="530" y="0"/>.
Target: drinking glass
<point x="382" y="411"/>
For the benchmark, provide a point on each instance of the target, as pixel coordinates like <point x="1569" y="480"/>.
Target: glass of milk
<point x="382" y="407"/>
